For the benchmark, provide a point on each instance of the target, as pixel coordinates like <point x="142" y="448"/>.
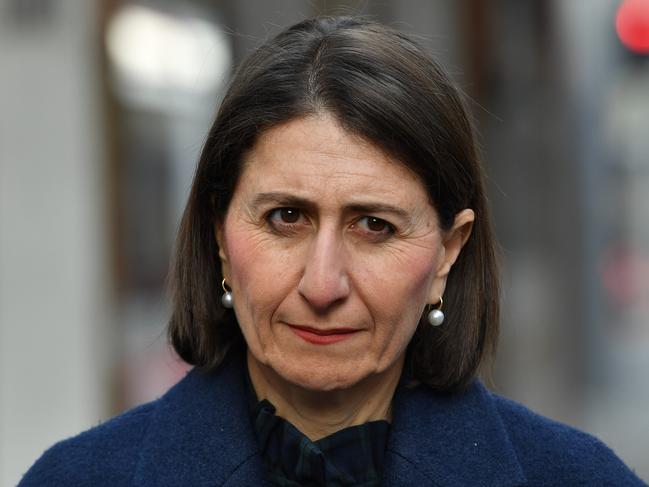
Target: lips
<point x="317" y="331"/>
<point x="322" y="337"/>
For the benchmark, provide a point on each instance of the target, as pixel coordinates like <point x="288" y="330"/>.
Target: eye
<point x="284" y="219"/>
<point x="375" y="226"/>
<point x="285" y="215"/>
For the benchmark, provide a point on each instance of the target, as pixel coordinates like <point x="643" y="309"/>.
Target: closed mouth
<point x="317" y="336"/>
<point x="321" y="332"/>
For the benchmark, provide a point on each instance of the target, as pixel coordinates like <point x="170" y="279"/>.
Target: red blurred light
<point x="632" y="25"/>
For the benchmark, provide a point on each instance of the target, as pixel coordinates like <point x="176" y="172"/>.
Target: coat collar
<point x="201" y="434"/>
<point x="450" y="440"/>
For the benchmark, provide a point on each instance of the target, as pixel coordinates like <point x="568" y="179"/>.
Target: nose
<point x="324" y="282"/>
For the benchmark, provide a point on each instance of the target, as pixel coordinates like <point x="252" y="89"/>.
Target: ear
<point x="452" y="242"/>
<point x="223" y="251"/>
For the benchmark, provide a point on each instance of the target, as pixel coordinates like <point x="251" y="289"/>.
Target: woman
<point x="335" y="285"/>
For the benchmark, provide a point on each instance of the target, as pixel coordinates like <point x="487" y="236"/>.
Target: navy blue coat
<point x="200" y="434"/>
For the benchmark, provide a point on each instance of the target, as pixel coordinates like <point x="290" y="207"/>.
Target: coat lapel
<point x="449" y="440"/>
<point x="201" y="435"/>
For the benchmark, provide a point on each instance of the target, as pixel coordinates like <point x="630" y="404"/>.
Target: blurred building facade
<point x="105" y="106"/>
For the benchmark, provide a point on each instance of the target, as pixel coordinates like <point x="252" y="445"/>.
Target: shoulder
<point x="104" y="455"/>
<point x="559" y="454"/>
<point x="198" y="433"/>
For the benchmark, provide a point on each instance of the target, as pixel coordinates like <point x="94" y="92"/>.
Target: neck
<point x="320" y="413"/>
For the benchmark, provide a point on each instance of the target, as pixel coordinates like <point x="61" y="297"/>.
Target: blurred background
<point x="105" y="104"/>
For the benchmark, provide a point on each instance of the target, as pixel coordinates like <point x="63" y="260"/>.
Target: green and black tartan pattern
<point x="350" y="457"/>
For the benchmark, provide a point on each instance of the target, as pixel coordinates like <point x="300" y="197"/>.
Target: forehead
<point x="318" y="157"/>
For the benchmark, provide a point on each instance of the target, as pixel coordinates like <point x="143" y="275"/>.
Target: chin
<point x="322" y="382"/>
<point x="323" y="377"/>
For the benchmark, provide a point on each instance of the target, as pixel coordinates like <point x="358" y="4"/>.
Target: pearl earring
<point x="436" y="316"/>
<point x="226" y="300"/>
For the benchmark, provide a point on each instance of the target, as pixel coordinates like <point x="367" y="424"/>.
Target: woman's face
<point x="332" y="251"/>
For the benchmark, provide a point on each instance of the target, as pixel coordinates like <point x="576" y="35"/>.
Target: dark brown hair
<point x="383" y="87"/>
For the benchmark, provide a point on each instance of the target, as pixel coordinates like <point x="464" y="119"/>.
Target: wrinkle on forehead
<point x="331" y="141"/>
<point x="317" y="159"/>
<point x="331" y="144"/>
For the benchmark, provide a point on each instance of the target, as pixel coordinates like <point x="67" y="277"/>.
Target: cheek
<point x="397" y="290"/>
<point x="244" y="254"/>
<point x="247" y="260"/>
<point x="259" y="272"/>
<point x="403" y="278"/>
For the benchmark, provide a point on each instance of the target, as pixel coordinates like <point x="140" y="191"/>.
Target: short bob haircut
<point x="379" y="85"/>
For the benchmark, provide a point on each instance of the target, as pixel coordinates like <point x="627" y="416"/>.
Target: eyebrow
<point x="289" y="200"/>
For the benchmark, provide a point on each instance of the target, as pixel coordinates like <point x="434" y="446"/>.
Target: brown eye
<point x="376" y="224"/>
<point x="375" y="227"/>
<point x="289" y="215"/>
<point x="282" y="219"/>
